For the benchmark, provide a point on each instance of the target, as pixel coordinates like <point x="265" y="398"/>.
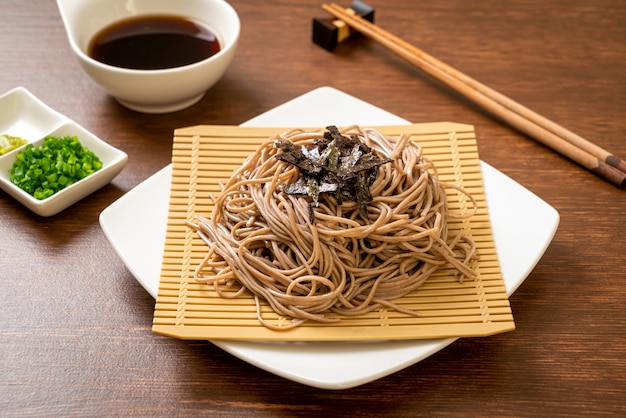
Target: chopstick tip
<point x="611" y="174"/>
<point x="616" y="162"/>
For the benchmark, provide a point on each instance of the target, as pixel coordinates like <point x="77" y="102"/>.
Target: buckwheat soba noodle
<point x="308" y="250"/>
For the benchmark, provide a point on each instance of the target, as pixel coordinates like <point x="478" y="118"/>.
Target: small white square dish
<point x="25" y="116"/>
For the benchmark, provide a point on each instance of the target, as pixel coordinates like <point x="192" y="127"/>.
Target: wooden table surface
<point x="75" y="326"/>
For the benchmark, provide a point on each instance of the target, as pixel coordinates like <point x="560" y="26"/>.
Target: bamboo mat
<point x="205" y="155"/>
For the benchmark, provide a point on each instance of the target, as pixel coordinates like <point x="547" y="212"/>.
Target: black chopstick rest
<point x="328" y="33"/>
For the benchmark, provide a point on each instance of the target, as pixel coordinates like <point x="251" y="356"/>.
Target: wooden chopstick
<point x="550" y="134"/>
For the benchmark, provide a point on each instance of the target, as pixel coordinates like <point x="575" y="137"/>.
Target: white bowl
<point x="23" y="115"/>
<point x="152" y="91"/>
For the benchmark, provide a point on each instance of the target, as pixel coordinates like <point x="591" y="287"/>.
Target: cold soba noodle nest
<point x="318" y="222"/>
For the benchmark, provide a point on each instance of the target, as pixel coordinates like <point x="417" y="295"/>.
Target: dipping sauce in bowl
<point x="189" y="50"/>
<point x="153" y="43"/>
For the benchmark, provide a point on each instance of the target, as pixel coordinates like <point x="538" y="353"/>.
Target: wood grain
<point x="94" y="354"/>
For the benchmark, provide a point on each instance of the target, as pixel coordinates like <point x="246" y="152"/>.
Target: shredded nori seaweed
<point x="337" y="164"/>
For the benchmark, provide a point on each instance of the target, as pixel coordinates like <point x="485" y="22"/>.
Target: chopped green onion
<point x="58" y="163"/>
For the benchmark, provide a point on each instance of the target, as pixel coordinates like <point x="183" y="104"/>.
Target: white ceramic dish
<point x="23" y="115"/>
<point x="523" y="226"/>
<point x="152" y="91"/>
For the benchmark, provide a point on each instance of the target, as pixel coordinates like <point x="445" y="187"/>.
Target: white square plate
<point x="25" y="116"/>
<point x="523" y="226"/>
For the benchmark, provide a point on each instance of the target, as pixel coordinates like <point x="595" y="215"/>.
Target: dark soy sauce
<point x="153" y="43"/>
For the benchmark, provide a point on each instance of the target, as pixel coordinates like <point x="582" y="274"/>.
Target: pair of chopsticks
<point x="550" y="134"/>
